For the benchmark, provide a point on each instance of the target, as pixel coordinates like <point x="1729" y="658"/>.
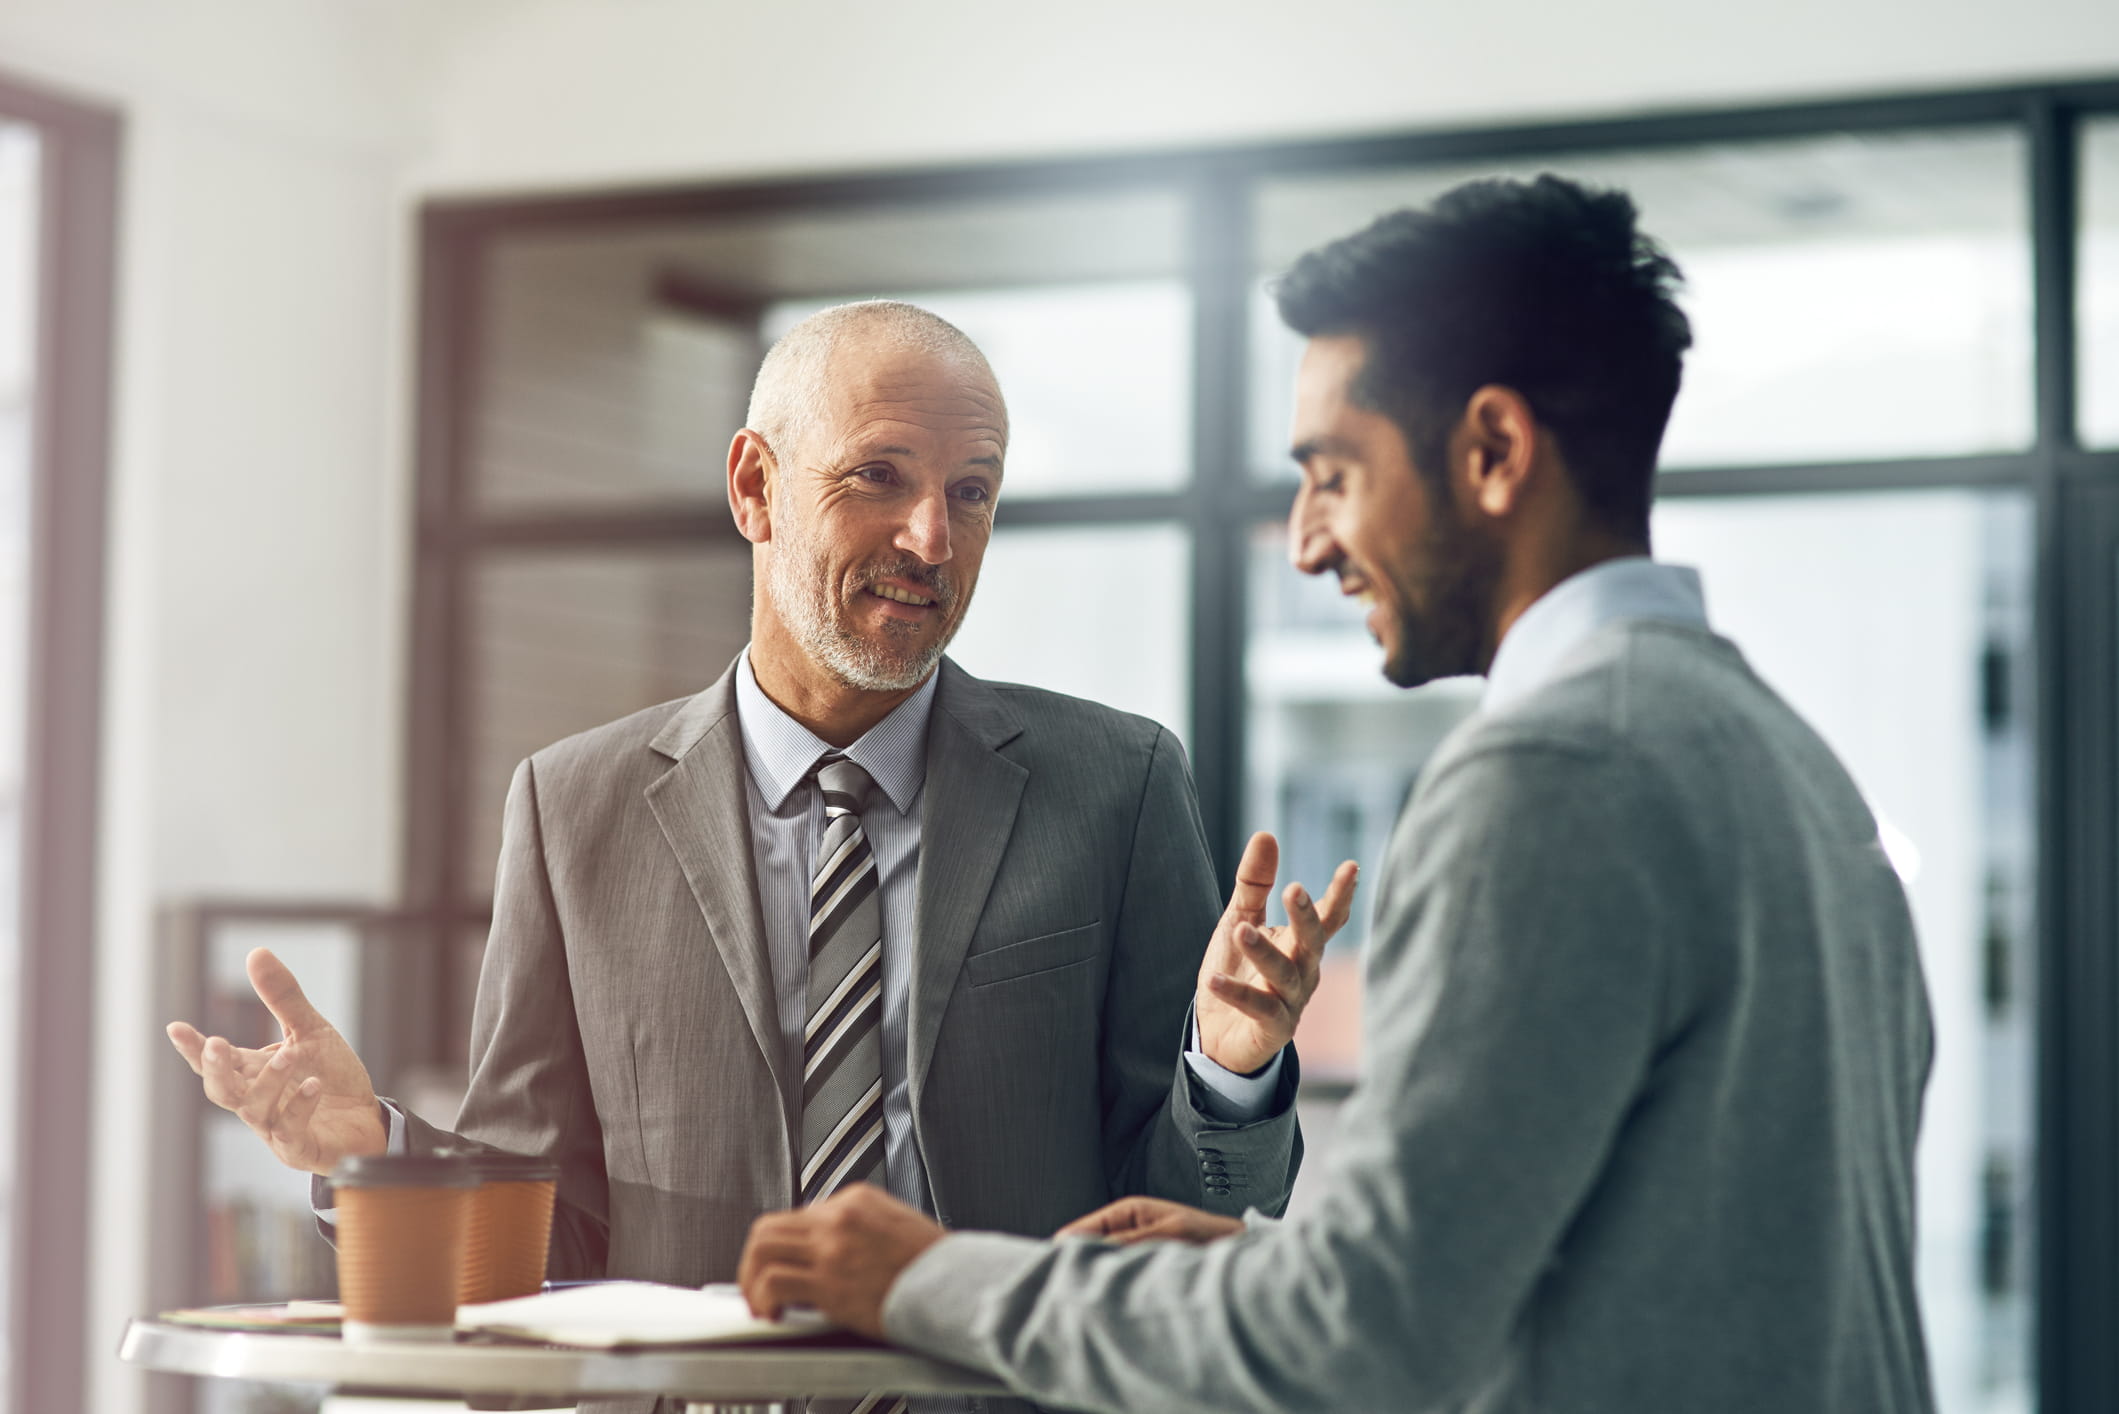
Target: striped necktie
<point x="842" y="1037"/>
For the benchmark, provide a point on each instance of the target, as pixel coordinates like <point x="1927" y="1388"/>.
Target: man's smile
<point x="901" y="596"/>
<point x="1356" y="587"/>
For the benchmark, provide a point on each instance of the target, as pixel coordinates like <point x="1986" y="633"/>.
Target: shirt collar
<point x="1565" y="615"/>
<point x="781" y="752"/>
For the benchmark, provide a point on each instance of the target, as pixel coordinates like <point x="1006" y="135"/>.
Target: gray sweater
<point x="1647" y="1037"/>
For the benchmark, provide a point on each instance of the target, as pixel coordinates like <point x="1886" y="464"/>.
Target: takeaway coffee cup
<point x="403" y="1224"/>
<point x="511" y="1226"/>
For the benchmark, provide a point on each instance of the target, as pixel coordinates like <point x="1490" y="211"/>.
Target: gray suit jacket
<point x="1648" y="1037"/>
<point x="625" y="1020"/>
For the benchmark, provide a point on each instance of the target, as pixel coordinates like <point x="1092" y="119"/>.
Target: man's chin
<point x="859" y="665"/>
<point x="1398" y="671"/>
<point x="1398" y="676"/>
<point x="1402" y="669"/>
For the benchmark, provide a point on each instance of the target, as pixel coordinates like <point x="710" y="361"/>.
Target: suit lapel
<point x="700" y="805"/>
<point x="967" y="812"/>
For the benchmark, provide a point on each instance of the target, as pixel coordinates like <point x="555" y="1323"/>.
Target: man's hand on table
<point x="307" y="1095"/>
<point x="840" y="1255"/>
<point x="1255" y="980"/>
<point x="1131" y="1220"/>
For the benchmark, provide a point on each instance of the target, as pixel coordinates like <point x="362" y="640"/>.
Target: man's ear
<point x="751" y="476"/>
<point x="1499" y="449"/>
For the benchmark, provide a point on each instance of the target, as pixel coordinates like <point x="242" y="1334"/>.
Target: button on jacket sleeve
<point x="1168" y="912"/>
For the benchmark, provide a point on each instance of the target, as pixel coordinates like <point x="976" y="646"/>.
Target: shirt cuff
<point x="320" y="1187"/>
<point x="1229" y="1097"/>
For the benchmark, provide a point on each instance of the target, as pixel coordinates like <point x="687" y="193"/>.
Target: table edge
<point x="700" y="1373"/>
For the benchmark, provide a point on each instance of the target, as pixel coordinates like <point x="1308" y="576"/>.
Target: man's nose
<point x="1309" y="548"/>
<point x="926" y="529"/>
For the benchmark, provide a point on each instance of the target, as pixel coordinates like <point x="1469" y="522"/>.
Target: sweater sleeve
<point x="1517" y="976"/>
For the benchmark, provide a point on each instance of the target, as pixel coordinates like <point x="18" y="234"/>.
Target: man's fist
<point x="841" y="1255"/>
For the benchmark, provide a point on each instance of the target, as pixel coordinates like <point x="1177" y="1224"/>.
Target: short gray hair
<point x="788" y="397"/>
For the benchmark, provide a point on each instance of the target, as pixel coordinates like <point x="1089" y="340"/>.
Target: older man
<point x="850" y="913"/>
<point x="1647" y="1032"/>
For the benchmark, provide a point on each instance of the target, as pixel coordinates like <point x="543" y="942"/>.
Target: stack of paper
<point x="610" y="1315"/>
<point x="300" y="1317"/>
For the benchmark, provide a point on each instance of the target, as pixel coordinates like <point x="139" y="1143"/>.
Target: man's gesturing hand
<point x="1132" y="1220"/>
<point x="1255" y="980"/>
<point x="307" y="1095"/>
<point x="840" y="1255"/>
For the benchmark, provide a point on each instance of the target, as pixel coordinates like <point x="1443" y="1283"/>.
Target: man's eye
<point x="881" y="475"/>
<point x="974" y="492"/>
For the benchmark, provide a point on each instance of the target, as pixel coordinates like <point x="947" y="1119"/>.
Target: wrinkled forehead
<point x="865" y="387"/>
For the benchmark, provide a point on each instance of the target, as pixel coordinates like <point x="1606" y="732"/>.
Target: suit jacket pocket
<point x="1044" y="953"/>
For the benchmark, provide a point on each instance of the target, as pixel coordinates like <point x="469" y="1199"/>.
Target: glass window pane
<point x="1332" y="751"/>
<point x="1852" y="297"/>
<point x="616" y="364"/>
<point x="593" y="391"/>
<point x="563" y="641"/>
<point x="1101" y="612"/>
<point x="19" y="206"/>
<point x="1899" y="625"/>
<point x="2097" y="287"/>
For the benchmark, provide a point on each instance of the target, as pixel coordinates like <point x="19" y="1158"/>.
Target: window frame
<point x="2076" y="596"/>
<point x="69" y="461"/>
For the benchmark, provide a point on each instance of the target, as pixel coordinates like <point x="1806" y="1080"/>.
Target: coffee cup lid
<point x="403" y="1171"/>
<point x="498" y="1166"/>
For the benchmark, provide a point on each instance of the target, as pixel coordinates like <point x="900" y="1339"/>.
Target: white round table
<point x="727" y="1379"/>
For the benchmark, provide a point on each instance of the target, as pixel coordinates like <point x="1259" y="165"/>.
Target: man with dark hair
<point x="1647" y="1028"/>
<point x="1546" y="289"/>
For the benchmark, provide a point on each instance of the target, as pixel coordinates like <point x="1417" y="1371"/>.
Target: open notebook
<point x="609" y="1315"/>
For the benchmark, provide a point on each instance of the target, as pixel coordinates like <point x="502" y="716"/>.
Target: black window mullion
<point x="1220" y="254"/>
<point x="2078" y="1105"/>
<point x="2055" y="174"/>
<point x="412" y="1023"/>
<point x="2078" y="1089"/>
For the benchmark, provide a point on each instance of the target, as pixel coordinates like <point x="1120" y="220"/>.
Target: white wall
<point x="600" y="92"/>
<point x="254" y="649"/>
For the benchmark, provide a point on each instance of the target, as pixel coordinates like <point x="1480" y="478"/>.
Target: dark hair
<point x="1545" y="287"/>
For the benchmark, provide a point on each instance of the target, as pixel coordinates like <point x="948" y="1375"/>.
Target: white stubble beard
<point x="805" y="605"/>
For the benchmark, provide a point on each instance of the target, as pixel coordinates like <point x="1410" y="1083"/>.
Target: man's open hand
<point x="1132" y="1220"/>
<point x="840" y="1255"/>
<point x="307" y="1095"/>
<point x="1255" y="980"/>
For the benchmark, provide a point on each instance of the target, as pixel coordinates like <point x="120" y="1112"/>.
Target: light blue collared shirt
<point x="786" y="826"/>
<point x="1539" y="641"/>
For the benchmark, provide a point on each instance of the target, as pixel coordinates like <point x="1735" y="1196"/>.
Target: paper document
<point x="609" y="1315"/>
<point x="300" y="1317"/>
